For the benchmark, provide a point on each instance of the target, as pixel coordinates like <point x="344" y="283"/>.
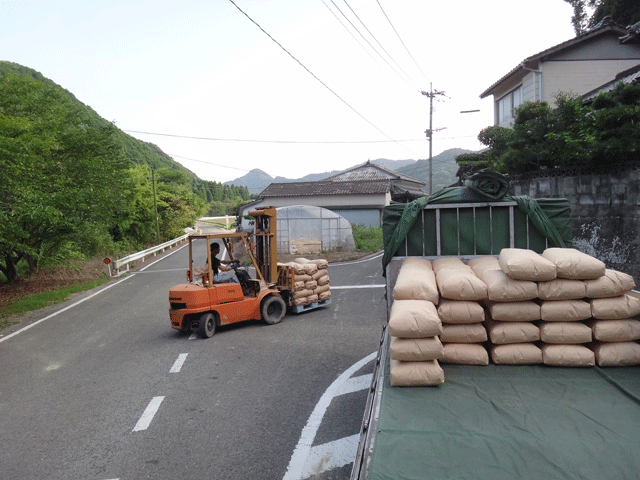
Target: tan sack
<point x="302" y="293"/>
<point x="514" y="311"/>
<point x="623" y="330"/>
<point x="624" y="306"/>
<point x="572" y="263"/>
<point x="310" y="285"/>
<point x="562" y="289"/>
<point x="324" y="295"/>
<point x="568" y="355"/>
<point x="484" y="263"/>
<point x="416" y="281"/>
<point x="414" y="319"/>
<point x="298" y="286"/>
<point x="566" y="333"/>
<point x="459" y="284"/>
<point x="448" y="263"/>
<point x="321" y="263"/>
<point x="312" y="298"/>
<point x="464" y="333"/>
<point x="465" y="354"/>
<point x="298" y="268"/>
<point x="502" y="333"/>
<point x="612" y="284"/>
<point x="310" y="268"/>
<point x="522" y="264"/>
<point x="324" y="280"/>
<point x="516" y="354"/>
<point x="564" y="310"/>
<point x="622" y="354"/>
<point x="303" y="277"/>
<point x="502" y="288"/>
<point x="415" y="374"/>
<point x="300" y="301"/>
<point x="460" y="311"/>
<point x="321" y="289"/>
<point x="415" y="349"/>
<point x="301" y="261"/>
<point x="319" y="274"/>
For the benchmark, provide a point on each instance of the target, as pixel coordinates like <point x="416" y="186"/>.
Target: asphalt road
<point x="107" y="390"/>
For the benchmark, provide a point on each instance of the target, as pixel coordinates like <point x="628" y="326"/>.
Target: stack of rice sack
<point x="462" y="316"/>
<point x="614" y="330"/>
<point x="414" y="327"/>
<point x="311" y="281"/>
<point x="510" y="311"/>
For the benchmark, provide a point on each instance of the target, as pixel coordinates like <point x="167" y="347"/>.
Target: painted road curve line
<point x="308" y="460"/>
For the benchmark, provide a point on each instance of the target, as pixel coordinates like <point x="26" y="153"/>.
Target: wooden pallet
<point x="310" y="306"/>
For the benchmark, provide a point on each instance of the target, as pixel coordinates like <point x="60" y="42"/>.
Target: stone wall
<point x="605" y="210"/>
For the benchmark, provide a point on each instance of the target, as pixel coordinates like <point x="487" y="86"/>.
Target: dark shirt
<point x="215" y="263"/>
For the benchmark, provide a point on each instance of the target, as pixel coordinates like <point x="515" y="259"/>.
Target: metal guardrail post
<point x="126" y="261"/>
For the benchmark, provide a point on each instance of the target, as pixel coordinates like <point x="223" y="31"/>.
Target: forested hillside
<point x="74" y="185"/>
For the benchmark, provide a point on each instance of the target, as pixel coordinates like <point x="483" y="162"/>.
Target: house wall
<point x="605" y="211"/>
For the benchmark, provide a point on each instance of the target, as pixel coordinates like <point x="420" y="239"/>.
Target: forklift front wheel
<point x="207" y="325"/>
<point x="273" y="309"/>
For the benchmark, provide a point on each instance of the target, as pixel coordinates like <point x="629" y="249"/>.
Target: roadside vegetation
<point x="367" y="239"/>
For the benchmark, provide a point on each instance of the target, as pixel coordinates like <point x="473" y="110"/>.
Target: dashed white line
<point x="177" y="365"/>
<point x="149" y="413"/>
<point x="342" y="287"/>
<point x="193" y="336"/>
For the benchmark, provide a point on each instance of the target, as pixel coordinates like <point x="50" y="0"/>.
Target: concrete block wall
<point x="605" y="210"/>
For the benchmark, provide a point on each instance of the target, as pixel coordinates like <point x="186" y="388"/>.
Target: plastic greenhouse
<point x="308" y="229"/>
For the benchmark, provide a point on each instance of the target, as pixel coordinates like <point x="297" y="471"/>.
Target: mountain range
<point x="444" y="170"/>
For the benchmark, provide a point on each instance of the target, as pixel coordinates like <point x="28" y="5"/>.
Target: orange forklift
<point x="203" y="304"/>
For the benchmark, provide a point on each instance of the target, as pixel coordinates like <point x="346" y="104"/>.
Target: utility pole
<point x="431" y="94"/>
<point x="155" y="203"/>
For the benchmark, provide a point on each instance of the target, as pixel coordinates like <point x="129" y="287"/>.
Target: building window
<point x="507" y="105"/>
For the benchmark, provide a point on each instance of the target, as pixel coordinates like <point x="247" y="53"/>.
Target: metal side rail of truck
<point x="495" y="422"/>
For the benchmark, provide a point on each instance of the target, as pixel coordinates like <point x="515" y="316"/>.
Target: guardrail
<point x="117" y="265"/>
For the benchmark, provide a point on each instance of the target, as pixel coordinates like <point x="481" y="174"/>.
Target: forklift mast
<point x="266" y="247"/>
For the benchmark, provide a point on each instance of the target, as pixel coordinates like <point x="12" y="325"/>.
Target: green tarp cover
<point x="502" y="422"/>
<point x="551" y="217"/>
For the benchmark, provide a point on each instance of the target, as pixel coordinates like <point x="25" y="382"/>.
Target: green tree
<point x="587" y="13"/>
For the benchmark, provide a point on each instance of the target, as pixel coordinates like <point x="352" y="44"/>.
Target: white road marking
<point x="177" y="365"/>
<point x="331" y="455"/>
<point x="149" y="413"/>
<point x="303" y="449"/>
<point x="355" y="384"/>
<point x="354" y="262"/>
<point x="343" y="287"/>
<point x="193" y="336"/>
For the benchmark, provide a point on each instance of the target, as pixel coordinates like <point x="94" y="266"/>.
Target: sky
<point x="343" y="84"/>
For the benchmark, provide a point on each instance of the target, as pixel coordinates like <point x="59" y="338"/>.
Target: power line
<point x="208" y="163"/>
<point x="248" y="140"/>
<point x="313" y="75"/>
<point x="399" y="38"/>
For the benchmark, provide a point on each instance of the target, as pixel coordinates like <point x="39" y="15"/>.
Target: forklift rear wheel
<point x="273" y="309"/>
<point x="207" y="325"/>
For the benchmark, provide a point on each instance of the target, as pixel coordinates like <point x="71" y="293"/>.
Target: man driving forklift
<point x="218" y="268"/>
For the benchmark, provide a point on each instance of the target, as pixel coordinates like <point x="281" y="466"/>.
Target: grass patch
<point x="42" y="299"/>
<point x="367" y="239"/>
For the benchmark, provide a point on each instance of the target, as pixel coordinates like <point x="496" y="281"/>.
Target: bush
<point x="367" y="239"/>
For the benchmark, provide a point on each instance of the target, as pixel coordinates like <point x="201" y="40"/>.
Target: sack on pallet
<point x="298" y="286"/>
<point x="527" y="311"/>
<point x="621" y="354"/>
<point x="310" y="268"/>
<point x="565" y="333"/>
<point x="562" y="289"/>
<point x="484" y="263"/>
<point x="416" y="281"/>
<point x="300" y="301"/>
<point x="321" y="263"/>
<point x="310" y="285"/>
<point x="415" y="349"/>
<point x="574" y="264"/>
<point x="464" y="333"/>
<point x="564" y="310"/>
<point x="624" y="330"/>
<point x="522" y="264"/>
<point x="301" y="261"/>
<point x="465" y="354"/>
<point x="460" y="311"/>
<point x="516" y="354"/>
<point x="502" y="288"/>
<point x="298" y="268"/>
<point x="460" y="284"/>
<point x="568" y="355"/>
<point x="321" y="289"/>
<point x="302" y="293"/>
<point x="452" y="263"/>
<point x="313" y="298"/>
<point x="324" y="295"/>
<point x="414" y="319"/>
<point x="324" y="280"/>
<point x="624" y="306"/>
<point x="502" y="333"/>
<point x="415" y="374"/>
<point x="611" y="284"/>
